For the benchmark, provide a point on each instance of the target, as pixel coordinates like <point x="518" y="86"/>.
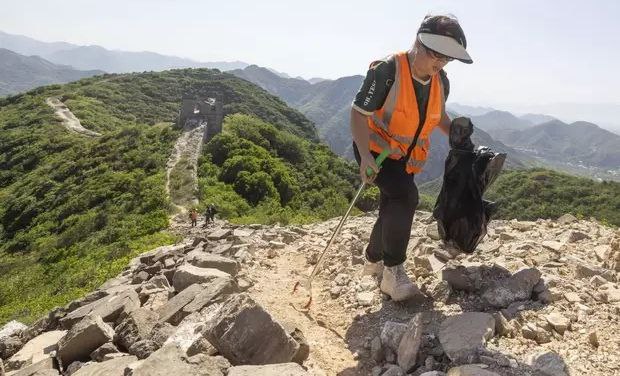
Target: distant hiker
<point x="193" y="216"/>
<point x="209" y="214"/>
<point x="399" y="104"/>
<point x="212" y="211"/>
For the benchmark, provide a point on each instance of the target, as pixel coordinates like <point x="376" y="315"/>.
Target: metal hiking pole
<point x="307" y="284"/>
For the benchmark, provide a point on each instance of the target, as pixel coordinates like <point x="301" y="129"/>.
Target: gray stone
<point x="393" y="370"/>
<point x="42" y="365"/>
<point x="514" y="288"/>
<point x="156" y="284"/>
<point x="462" y="278"/>
<point x="73" y="368"/>
<point x="566" y="219"/>
<point x="391" y="334"/>
<point x="575" y="236"/>
<point x="35" y="350"/>
<point x="203" y="259"/>
<point x="140" y="277"/>
<point x="222" y="249"/>
<point x="242" y="232"/>
<point x="135" y="326"/>
<point x="212" y="292"/>
<point x="583" y="270"/>
<point x="112" y="367"/>
<point x="201" y="346"/>
<point x="143" y="348"/>
<point x="376" y="350"/>
<point x="365" y="298"/>
<point x="463" y="336"/>
<point x="558" y="321"/>
<point x="84" y="338"/>
<point x="10" y="345"/>
<point x="433" y="373"/>
<point x="170" y="311"/>
<point x="502" y="326"/>
<point x="283" y="369"/>
<point x="170" y="360"/>
<point x="161" y="332"/>
<point x="410" y="344"/>
<point x="245" y="333"/>
<point x="439" y="290"/>
<point x="106" y="348"/>
<point x="433" y="232"/>
<point x="187" y="275"/>
<point x="470" y="370"/>
<point x="11" y="328"/>
<point x="109" y="308"/>
<point x="547" y="364"/>
<point x="219" y="234"/>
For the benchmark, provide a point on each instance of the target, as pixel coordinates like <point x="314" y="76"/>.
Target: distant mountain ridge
<point x="100" y="58"/>
<point x="20" y="73"/>
<point x="326" y="102"/>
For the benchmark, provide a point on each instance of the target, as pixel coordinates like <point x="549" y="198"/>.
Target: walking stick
<point x="307" y="284"/>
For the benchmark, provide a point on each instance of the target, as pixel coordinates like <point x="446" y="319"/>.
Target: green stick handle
<point x="380" y="158"/>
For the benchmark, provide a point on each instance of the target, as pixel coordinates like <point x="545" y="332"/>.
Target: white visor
<point x="445" y="46"/>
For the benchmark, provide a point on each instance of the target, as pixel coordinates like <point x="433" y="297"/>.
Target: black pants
<point x="397" y="204"/>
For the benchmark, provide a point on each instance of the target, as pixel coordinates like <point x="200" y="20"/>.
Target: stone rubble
<point x="536" y="298"/>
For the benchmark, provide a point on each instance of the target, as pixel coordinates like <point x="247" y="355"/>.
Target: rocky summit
<point x="536" y="298"/>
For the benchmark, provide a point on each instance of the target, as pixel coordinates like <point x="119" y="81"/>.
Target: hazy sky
<point x="525" y="52"/>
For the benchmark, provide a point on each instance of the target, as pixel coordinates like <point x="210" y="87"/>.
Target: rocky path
<point x="69" y="121"/>
<point x="187" y="147"/>
<point x="536" y="298"/>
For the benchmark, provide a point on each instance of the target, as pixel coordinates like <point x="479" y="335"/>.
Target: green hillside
<point x="540" y="193"/>
<point x="256" y="173"/>
<point x="74" y="210"/>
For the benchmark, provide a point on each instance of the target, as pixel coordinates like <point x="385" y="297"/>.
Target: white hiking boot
<point x="374" y="269"/>
<point x="397" y="284"/>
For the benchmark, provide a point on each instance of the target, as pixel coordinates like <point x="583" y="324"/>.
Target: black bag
<point x="461" y="213"/>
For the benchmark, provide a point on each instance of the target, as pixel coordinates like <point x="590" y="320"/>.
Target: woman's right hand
<point x="367" y="161"/>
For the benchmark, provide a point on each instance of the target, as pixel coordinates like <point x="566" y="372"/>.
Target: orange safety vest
<point x="395" y="125"/>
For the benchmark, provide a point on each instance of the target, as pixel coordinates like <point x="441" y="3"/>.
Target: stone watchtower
<point x="196" y="111"/>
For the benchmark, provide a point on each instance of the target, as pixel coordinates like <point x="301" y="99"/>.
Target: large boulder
<point x="41" y="367"/>
<point x="37" y="349"/>
<point x="283" y="369"/>
<point x="245" y="333"/>
<point x="203" y="259"/>
<point x="11" y="328"/>
<point x="187" y="275"/>
<point x="108" y="308"/>
<point x="212" y="292"/>
<point x="84" y="338"/>
<point x="172" y="310"/>
<point x="135" y="326"/>
<point x="112" y="367"/>
<point x="170" y="360"/>
<point x="103" y="350"/>
<point x="514" y="288"/>
<point x="463" y="336"/>
<point x="10" y="345"/>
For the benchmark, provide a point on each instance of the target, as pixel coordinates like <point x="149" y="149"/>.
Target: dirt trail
<point x="188" y="146"/>
<point x="69" y="121"/>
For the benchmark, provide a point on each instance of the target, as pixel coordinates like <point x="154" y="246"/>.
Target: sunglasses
<point x="438" y="56"/>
